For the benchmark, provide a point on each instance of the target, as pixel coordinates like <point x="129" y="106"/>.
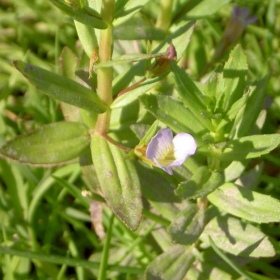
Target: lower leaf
<point x="118" y="180"/>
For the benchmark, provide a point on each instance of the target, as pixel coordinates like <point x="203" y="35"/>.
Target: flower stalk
<point x="105" y="75"/>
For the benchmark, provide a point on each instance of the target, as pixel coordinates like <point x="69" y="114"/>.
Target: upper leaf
<point x="250" y="147"/>
<point x="192" y="97"/>
<point x="48" y="145"/>
<point x="86" y="16"/>
<point x="61" y="88"/>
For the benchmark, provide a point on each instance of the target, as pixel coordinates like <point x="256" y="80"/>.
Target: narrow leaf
<point x="173" y="113"/>
<point x="246" y="204"/>
<point x="192" y="97"/>
<point x="250" y="147"/>
<point x="252" y="110"/>
<point x="118" y="180"/>
<point x="50" y="144"/>
<point x="87" y="16"/>
<point x="201" y="184"/>
<point x="134" y="94"/>
<point x="61" y="88"/>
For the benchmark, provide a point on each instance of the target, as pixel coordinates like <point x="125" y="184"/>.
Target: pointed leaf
<point x="201" y="184"/>
<point x="238" y="238"/>
<point x="61" y="88"/>
<point x="50" y="144"/>
<point x="118" y="180"/>
<point x="186" y="228"/>
<point x="173" y="113"/>
<point x="192" y="97"/>
<point x="246" y="204"/>
<point x="253" y="108"/>
<point x="86" y="16"/>
<point x="234" y="74"/>
<point x="171" y="265"/>
<point x="134" y="94"/>
<point x="250" y="147"/>
<point x="206" y="8"/>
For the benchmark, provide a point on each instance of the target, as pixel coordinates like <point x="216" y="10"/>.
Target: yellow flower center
<point x="167" y="156"/>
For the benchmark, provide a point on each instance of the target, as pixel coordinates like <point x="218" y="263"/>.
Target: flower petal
<point x="184" y="146"/>
<point x="159" y="144"/>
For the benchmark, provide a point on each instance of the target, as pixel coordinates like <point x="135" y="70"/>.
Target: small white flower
<point x="167" y="152"/>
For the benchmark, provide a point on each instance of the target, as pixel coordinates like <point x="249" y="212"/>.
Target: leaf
<point x="68" y="62"/>
<point x="250" y="147"/>
<point x="171" y="265"/>
<point x="253" y="108"/>
<point x="48" y="145"/>
<point x="234" y="74"/>
<point x="186" y="228"/>
<point x="118" y="180"/>
<point x="180" y="38"/>
<point x="134" y="94"/>
<point x="87" y="16"/>
<point x="206" y="8"/>
<point x="191" y="96"/>
<point x="246" y="204"/>
<point x="61" y="88"/>
<point x="87" y="36"/>
<point x="161" y="196"/>
<point x="173" y="113"/>
<point x="128" y="58"/>
<point x="201" y="184"/>
<point x="137" y="28"/>
<point x="126" y="9"/>
<point x="238" y="238"/>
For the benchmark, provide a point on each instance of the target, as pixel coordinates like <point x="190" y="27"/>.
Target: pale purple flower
<point x="167" y="152"/>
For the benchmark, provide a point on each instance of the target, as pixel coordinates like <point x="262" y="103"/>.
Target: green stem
<point x="105" y="75"/>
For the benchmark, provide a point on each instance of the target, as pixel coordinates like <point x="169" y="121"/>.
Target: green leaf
<point x="61" y="88"/>
<point x="201" y="184"/>
<point x="171" y="265"/>
<point x="186" y="228"/>
<point x="68" y="62"/>
<point x="128" y="58"/>
<point x="173" y="113"/>
<point x="238" y="238"/>
<point x="180" y="38"/>
<point x="161" y="196"/>
<point x="50" y="144"/>
<point x="134" y="94"/>
<point x="234" y="74"/>
<point x="126" y="9"/>
<point x="137" y="28"/>
<point x="118" y="180"/>
<point x="86" y="16"/>
<point x="246" y="204"/>
<point x="206" y="8"/>
<point x="250" y="147"/>
<point x="87" y="37"/>
<point x="253" y="108"/>
<point x="191" y="96"/>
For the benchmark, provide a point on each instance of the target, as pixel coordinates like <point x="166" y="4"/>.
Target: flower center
<point x="167" y="156"/>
